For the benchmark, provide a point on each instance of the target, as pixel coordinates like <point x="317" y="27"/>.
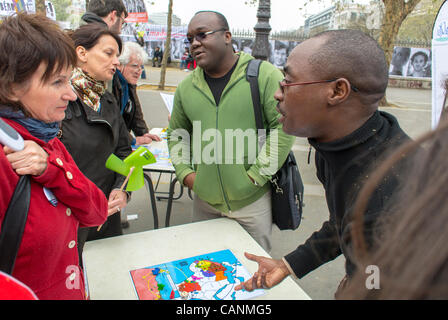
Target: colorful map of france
<point x="211" y="276"/>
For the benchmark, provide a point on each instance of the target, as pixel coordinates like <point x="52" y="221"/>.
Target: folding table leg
<point x="153" y="200"/>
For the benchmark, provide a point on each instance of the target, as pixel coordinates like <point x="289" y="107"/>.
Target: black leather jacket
<point x="91" y="137"/>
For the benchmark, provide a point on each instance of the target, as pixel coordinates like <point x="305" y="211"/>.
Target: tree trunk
<point x="167" y="51"/>
<point x="395" y="13"/>
<point x="40" y="7"/>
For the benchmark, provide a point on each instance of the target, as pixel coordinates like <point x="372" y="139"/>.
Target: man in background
<point x="111" y="13"/>
<point x="157" y="57"/>
<point x="125" y="90"/>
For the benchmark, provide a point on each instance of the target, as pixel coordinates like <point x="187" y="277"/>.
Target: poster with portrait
<point x="400" y="59"/>
<point x="411" y="62"/>
<point x="279" y="53"/>
<point x="419" y="64"/>
<point x="136" y="11"/>
<point x="439" y="63"/>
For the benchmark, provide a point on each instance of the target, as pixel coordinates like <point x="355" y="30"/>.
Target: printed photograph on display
<point x="419" y="64"/>
<point x="279" y="53"/>
<point x="136" y="11"/>
<point x="411" y="62"/>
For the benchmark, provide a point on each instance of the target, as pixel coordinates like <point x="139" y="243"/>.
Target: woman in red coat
<point x="36" y="62"/>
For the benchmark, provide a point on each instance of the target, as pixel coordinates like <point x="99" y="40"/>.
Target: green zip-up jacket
<point x="219" y="143"/>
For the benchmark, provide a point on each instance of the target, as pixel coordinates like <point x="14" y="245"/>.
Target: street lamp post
<point x="262" y="28"/>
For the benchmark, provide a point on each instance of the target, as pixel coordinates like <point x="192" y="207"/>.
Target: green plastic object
<point x="136" y="159"/>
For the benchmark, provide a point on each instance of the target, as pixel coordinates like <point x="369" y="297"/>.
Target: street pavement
<point x="412" y="108"/>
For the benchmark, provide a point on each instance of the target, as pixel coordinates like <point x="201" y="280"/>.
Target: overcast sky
<point x="285" y="14"/>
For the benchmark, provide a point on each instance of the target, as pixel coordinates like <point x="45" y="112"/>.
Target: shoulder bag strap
<point x="252" y="76"/>
<point x="13" y="224"/>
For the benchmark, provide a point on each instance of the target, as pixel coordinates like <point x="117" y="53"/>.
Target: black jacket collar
<point x="90" y="17"/>
<point x="373" y="126"/>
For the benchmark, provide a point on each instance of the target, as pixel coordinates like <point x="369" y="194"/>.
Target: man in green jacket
<point x="212" y="134"/>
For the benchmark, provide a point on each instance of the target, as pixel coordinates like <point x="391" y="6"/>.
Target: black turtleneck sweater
<point x="342" y="166"/>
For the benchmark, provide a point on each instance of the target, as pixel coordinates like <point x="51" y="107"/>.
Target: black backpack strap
<point x="252" y="76"/>
<point x="252" y="71"/>
<point x="13" y="224"/>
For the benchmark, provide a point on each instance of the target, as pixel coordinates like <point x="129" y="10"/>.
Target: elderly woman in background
<point x="93" y="128"/>
<point x="36" y="62"/>
<point x="125" y="91"/>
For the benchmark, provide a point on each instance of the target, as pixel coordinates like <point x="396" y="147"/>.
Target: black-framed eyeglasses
<point x="123" y="22"/>
<point x="202" y="35"/>
<point x="284" y="84"/>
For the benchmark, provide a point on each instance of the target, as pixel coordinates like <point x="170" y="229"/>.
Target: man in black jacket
<point x="332" y="87"/>
<point x="111" y="13"/>
<point x="124" y="88"/>
<point x="157" y="57"/>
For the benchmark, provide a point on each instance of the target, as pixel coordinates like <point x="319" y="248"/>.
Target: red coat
<point x="47" y="260"/>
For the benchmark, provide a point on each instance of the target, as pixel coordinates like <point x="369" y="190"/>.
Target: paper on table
<point x="169" y="101"/>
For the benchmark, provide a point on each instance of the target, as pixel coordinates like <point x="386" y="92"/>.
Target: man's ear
<point x="340" y="91"/>
<point x="111" y="18"/>
<point x="228" y="36"/>
<point x="81" y="52"/>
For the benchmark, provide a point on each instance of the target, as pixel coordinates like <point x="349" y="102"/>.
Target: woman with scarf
<point x="36" y="62"/>
<point x="93" y="128"/>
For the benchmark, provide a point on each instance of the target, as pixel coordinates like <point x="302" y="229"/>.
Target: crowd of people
<point x="72" y="96"/>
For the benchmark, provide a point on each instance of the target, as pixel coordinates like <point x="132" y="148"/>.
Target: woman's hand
<point x="31" y="160"/>
<point x="117" y="201"/>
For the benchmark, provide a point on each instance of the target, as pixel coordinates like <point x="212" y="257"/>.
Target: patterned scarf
<point x="88" y="89"/>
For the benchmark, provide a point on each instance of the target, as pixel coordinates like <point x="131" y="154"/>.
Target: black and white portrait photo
<point x="419" y="65"/>
<point x="279" y="53"/>
<point x="400" y="59"/>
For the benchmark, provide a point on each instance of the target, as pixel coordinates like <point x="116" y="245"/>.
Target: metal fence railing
<point x="299" y="36"/>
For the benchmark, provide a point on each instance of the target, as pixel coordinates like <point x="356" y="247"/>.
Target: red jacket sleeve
<point x="69" y="185"/>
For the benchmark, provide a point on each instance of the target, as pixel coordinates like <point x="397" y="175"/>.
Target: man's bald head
<point x="353" y="55"/>
<point x="219" y="16"/>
